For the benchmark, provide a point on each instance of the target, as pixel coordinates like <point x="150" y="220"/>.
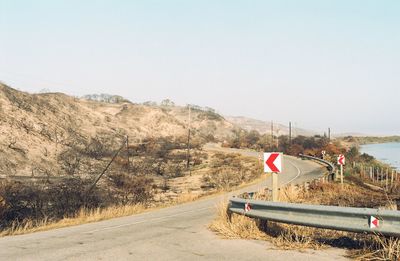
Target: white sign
<point x="247" y="207"/>
<point x="341" y="160"/>
<point x="273" y="162"/>
<point x="373" y="222"/>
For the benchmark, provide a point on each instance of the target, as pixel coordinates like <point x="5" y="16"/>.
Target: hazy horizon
<point x="318" y="64"/>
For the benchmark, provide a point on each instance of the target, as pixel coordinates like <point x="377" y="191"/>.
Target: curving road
<point x="174" y="233"/>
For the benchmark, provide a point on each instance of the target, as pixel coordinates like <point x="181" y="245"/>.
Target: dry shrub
<point x="293" y="237"/>
<point x="379" y="248"/>
<point x="235" y="226"/>
<point x="289" y="194"/>
<point x="133" y="189"/>
<point x="286" y="236"/>
<point x="22" y="202"/>
<point x="334" y="194"/>
<point x="230" y="170"/>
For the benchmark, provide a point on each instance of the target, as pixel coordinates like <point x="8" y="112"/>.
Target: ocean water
<point x="386" y="152"/>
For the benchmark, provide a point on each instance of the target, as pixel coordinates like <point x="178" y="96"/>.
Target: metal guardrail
<point x="330" y="165"/>
<point x="330" y="217"/>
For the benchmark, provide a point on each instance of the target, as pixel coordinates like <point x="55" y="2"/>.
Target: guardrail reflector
<point x="247" y="207"/>
<point x="373" y="222"/>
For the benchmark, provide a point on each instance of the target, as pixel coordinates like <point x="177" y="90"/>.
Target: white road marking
<point x="180" y="213"/>
<point x="298" y="173"/>
<point x="148" y="220"/>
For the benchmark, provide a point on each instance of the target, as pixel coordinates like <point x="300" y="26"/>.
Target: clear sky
<point x="317" y="63"/>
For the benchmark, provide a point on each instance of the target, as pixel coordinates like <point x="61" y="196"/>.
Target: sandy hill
<point x="265" y="127"/>
<point x="35" y="129"/>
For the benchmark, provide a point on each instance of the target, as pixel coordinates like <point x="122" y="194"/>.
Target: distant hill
<point x="37" y="129"/>
<point x="265" y="127"/>
<point x="371" y="139"/>
<point x="347" y="134"/>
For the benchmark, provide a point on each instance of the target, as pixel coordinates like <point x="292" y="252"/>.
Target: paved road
<point x="174" y="233"/>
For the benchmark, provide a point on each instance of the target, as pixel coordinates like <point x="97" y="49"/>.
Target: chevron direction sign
<point x="373" y="222"/>
<point x="273" y="162"/>
<point x="341" y="160"/>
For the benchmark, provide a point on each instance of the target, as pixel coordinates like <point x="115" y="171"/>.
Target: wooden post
<point x="387" y="178"/>
<point x="275" y="197"/>
<point x="341" y="174"/>
<point x="392" y="178"/>
<point x="377" y="175"/>
<point x="371" y="174"/>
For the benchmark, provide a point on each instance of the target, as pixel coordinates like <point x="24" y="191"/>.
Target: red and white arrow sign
<point x="341" y="159"/>
<point x="273" y="162"/>
<point x="247" y="207"/>
<point x="373" y="222"/>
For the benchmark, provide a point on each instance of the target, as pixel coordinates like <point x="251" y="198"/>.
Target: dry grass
<point x="235" y="226"/>
<point x="98" y="214"/>
<point x="284" y="236"/>
<point x="379" y="248"/>
<point x="88" y="216"/>
<point x="84" y="216"/>
<point x="293" y="237"/>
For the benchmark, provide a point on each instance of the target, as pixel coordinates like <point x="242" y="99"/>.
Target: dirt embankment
<point x="37" y="130"/>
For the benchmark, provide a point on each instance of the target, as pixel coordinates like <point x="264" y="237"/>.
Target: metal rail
<point x="330" y="217"/>
<point x="330" y="165"/>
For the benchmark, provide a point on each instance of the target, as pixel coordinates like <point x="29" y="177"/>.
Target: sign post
<point x="341" y="161"/>
<point x="275" y="197"/>
<point x="273" y="164"/>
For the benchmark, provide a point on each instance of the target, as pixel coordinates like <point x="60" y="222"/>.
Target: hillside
<point x="37" y="130"/>
<point x="265" y="127"/>
<point x="361" y="140"/>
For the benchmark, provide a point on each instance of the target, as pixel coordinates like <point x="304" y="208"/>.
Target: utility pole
<point x="290" y="134"/>
<point x="188" y="145"/>
<point x="127" y="151"/>
<point x="272" y="134"/>
<point x="329" y="134"/>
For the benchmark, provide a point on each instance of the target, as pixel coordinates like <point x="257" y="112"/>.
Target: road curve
<point x="174" y="233"/>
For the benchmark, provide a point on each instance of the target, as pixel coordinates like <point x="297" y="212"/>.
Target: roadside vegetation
<point x="359" y="190"/>
<point x="313" y="145"/>
<point x="359" y="246"/>
<point x="65" y="160"/>
<point x="136" y="177"/>
<point x="231" y="170"/>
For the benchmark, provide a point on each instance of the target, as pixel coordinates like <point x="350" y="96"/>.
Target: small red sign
<point x="373" y="222"/>
<point x="341" y="160"/>
<point x="247" y="207"/>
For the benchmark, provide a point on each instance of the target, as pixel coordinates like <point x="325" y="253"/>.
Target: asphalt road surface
<point x="174" y="233"/>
